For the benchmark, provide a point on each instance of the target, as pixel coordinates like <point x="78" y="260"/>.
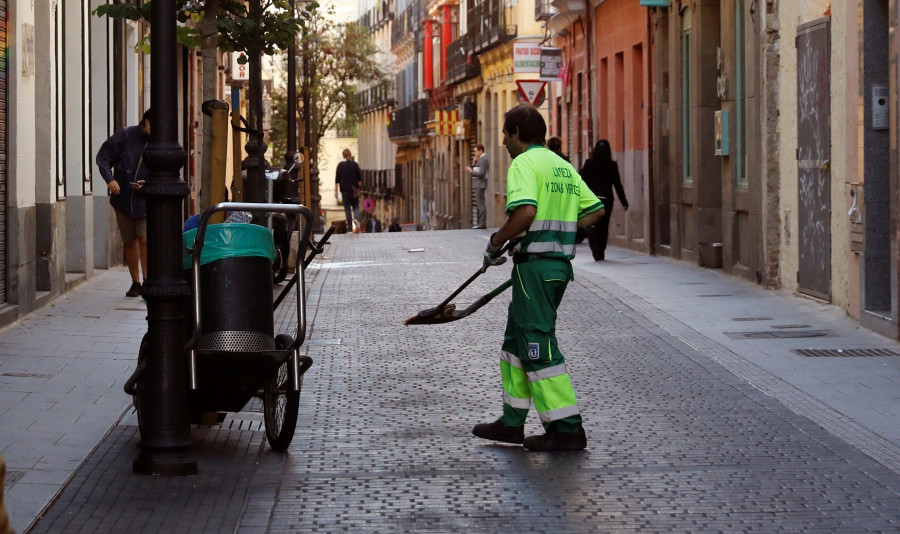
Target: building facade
<point x="63" y="91"/>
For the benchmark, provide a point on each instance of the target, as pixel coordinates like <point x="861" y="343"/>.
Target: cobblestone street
<point x="687" y="431"/>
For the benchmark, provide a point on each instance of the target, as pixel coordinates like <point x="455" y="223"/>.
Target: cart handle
<point x="316" y="248"/>
<point x="297" y="209"/>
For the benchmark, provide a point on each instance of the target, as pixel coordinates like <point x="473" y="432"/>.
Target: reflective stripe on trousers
<point x="550" y="387"/>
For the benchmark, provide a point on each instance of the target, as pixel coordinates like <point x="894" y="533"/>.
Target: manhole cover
<point x="781" y="334"/>
<point x="845" y="353"/>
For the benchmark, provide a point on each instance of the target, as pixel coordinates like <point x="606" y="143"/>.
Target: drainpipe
<point x="588" y="48"/>
<point x="651" y="197"/>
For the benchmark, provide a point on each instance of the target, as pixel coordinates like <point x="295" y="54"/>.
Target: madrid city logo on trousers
<point x="534" y="351"/>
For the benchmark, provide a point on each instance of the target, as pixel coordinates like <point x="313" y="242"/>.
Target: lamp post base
<point x="166" y="463"/>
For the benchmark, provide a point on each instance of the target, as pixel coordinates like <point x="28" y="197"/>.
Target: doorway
<point x="814" y="158"/>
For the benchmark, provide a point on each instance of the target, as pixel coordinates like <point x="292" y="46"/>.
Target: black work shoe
<point x="497" y="431"/>
<point x="135" y="290"/>
<point x="557" y="441"/>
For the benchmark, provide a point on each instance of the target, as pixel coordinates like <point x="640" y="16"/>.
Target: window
<point x="686" y="123"/>
<point x="740" y="97"/>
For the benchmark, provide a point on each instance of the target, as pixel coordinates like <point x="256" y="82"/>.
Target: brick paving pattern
<point x="106" y="496"/>
<point x="675" y="441"/>
<point x="678" y="441"/>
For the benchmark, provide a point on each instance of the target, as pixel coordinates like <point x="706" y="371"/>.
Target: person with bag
<point x="548" y="202"/>
<point x="121" y="163"/>
<point x="601" y="174"/>
<point x="348" y="179"/>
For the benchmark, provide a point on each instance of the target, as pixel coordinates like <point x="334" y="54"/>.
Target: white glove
<point x="492" y="256"/>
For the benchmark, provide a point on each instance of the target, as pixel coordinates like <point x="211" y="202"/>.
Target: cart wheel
<point x="281" y="406"/>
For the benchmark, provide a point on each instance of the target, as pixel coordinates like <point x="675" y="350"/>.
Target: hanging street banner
<point x="531" y="91"/>
<point x="551" y="64"/>
<point x="526" y="57"/>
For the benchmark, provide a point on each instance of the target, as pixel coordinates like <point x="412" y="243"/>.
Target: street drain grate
<point x="716" y="295"/>
<point x="13" y="476"/>
<point x="781" y="334"/>
<point x="783" y="326"/>
<point x="845" y="353"/>
<point x="752" y="319"/>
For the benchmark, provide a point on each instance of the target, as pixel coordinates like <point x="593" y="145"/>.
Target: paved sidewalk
<point x="61" y="374"/>
<point x="756" y="334"/>
<point x="700" y="413"/>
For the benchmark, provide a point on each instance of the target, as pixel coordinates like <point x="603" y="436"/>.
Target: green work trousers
<point x="531" y="365"/>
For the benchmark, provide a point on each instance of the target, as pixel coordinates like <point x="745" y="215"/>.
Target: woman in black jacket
<point x="601" y="174"/>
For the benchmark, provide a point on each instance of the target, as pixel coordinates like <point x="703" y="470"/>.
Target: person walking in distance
<point x="348" y="179"/>
<point x="555" y="146"/>
<point x="601" y="173"/>
<point x="479" y="171"/>
<point x="120" y="160"/>
<point x="546" y="203"/>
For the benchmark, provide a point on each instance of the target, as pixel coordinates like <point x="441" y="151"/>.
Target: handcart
<point x="233" y="353"/>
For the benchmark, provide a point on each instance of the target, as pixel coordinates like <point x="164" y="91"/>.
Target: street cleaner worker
<point x="548" y="202"/>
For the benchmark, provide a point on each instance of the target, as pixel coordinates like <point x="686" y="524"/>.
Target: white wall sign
<point x="239" y="72"/>
<point x="526" y="57"/>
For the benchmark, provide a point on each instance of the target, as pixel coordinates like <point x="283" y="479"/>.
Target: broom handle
<point x="500" y="289"/>
<point x="509" y="244"/>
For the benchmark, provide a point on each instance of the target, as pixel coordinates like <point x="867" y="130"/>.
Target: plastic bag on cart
<point x="231" y="240"/>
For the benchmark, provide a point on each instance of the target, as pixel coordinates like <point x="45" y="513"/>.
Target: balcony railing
<point x="409" y="121"/>
<point x="378" y="183"/>
<point x="439" y="99"/>
<point x="495" y="36"/>
<point x="405" y="24"/>
<point x="461" y="65"/>
<point x="374" y="98"/>
<point x="487" y="27"/>
<point x="375" y="17"/>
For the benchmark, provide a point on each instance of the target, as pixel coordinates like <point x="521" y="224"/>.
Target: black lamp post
<point x="255" y="189"/>
<point x="165" y="429"/>
<point x="291" y="103"/>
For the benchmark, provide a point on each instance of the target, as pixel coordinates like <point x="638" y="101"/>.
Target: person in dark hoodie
<point x="601" y="174"/>
<point x="122" y="167"/>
